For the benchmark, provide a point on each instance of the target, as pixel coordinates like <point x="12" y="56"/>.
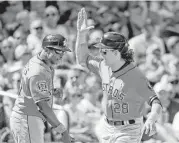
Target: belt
<point x="118" y="123"/>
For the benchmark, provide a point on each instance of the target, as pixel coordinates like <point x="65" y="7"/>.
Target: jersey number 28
<point x="121" y="108"/>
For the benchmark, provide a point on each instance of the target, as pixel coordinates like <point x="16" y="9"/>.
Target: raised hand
<point x="82" y="22"/>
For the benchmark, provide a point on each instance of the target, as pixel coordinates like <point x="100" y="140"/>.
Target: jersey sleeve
<point x="93" y="64"/>
<point x="145" y="90"/>
<point x="39" y="88"/>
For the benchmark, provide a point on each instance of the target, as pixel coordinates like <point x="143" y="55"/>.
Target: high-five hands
<point x="82" y="27"/>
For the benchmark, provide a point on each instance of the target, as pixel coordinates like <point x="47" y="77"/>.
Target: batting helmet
<point x="57" y="42"/>
<point x="112" y="40"/>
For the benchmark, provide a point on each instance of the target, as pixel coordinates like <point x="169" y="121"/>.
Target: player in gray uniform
<point x="33" y="105"/>
<point x="125" y="88"/>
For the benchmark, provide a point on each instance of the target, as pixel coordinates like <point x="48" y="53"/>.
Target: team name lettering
<point x="113" y="92"/>
<point x="110" y="91"/>
<point x="118" y="94"/>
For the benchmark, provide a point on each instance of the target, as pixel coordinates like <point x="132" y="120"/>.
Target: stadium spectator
<point x="51" y="22"/>
<point x="21" y="51"/>
<point x="35" y="37"/>
<point x="142" y="42"/>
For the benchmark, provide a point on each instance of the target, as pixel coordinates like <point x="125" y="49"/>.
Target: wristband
<point x="60" y="128"/>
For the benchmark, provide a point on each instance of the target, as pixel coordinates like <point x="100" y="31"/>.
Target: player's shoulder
<point x="36" y="67"/>
<point x="127" y="72"/>
<point x="135" y="77"/>
<point x="135" y="72"/>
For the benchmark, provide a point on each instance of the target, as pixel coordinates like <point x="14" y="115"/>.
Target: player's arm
<point x="48" y="113"/>
<point x="40" y="91"/>
<point x="82" y="51"/>
<point x="156" y="108"/>
<point x="148" y="94"/>
<point x="153" y="100"/>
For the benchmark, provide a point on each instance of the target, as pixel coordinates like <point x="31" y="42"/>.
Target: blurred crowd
<point x="152" y="28"/>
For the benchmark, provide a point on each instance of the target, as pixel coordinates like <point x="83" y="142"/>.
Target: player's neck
<point x="117" y="65"/>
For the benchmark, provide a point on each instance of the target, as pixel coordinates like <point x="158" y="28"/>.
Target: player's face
<point x="51" y="17"/>
<point x="7" y="49"/>
<point x="108" y="56"/>
<point x="56" y="56"/>
<point x="37" y="28"/>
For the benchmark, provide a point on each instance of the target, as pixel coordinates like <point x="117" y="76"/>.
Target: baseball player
<point x="125" y="88"/>
<point x="34" y="103"/>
